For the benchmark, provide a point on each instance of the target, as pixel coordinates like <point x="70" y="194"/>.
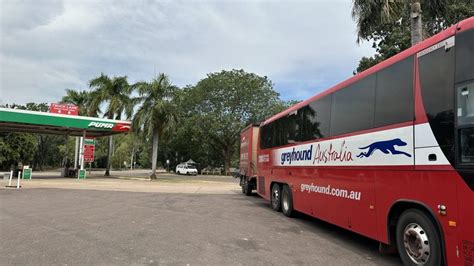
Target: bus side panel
<point x="264" y="174"/>
<point x="428" y="188"/>
<point x="466" y="223"/>
<point x="344" y="197"/>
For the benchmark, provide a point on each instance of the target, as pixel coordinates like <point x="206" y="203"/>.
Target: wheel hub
<point x="276" y="197"/>
<point x="416" y="243"/>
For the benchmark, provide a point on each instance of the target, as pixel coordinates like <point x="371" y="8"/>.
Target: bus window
<point x="437" y="89"/>
<point x="467" y="145"/>
<point x="353" y="107"/>
<point x="394" y="94"/>
<point x="465" y="107"/>
<point x="465" y="56"/>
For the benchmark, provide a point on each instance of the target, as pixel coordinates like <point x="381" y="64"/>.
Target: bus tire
<point x="287" y="201"/>
<point x="418" y="240"/>
<point x="275" y="198"/>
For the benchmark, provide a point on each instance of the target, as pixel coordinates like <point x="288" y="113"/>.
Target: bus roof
<point x="461" y="26"/>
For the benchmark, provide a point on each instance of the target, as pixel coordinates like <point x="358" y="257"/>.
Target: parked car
<point x="186" y="169"/>
<point x="235" y="172"/>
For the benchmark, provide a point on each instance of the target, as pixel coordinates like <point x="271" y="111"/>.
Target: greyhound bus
<point x="388" y="153"/>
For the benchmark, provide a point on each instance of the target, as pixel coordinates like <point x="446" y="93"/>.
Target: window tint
<point x="313" y="120"/>
<point x="465" y="104"/>
<point x="465" y="56"/>
<point x="353" y="107"/>
<point x="437" y="88"/>
<point x="279" y="132"/>
<point x="394" y="96"/>
<point x="466" y="138"/>
<point x="308" y="123"/>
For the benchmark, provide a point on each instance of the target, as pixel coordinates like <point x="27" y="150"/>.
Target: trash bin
<point x="6" y="177"/>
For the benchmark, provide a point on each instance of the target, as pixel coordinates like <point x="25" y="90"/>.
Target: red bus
<point x="388" y="153"/>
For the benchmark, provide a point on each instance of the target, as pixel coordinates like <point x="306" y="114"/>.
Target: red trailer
<point x="388" y="153"/>
<point x="248" y="158"/>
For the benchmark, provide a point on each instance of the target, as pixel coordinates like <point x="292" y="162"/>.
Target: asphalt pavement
<point x="79" y="226"/>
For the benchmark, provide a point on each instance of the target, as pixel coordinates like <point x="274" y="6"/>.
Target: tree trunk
<point x="109" y="157"/>
<point x="416" y="23"/>
<point x="154" y="156"/>
<point x="227" y="158"/>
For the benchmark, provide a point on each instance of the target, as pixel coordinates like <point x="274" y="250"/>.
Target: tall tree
<point x="394" y="26"/>
<point x="114" y="93"/>
<point x="80" y="99"/>
<point x="370" y="14"/>
<point x="225" y="102"/>
<point x="156" y="112"/>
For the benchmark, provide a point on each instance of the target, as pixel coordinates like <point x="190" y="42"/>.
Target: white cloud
<point x="302" y="46"/>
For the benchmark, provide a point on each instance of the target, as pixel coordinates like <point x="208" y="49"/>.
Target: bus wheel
<point x="275" y="200"/>
<point x="418" y="240"/>
<point x="286" y="201"/>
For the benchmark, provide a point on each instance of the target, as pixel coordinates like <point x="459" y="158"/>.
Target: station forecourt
<point x="15" y="120"/>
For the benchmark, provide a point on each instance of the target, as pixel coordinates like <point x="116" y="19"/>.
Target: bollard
<point x="10" y="180"/>
<point x="18" y="182"/>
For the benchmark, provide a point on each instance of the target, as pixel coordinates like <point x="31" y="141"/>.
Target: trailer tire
<point x="247" y="187"/>
<point x="275" y="197"/>
<point x="287" y="201"/>
<point x="248" y="191"/>
<point x="418" y="240"/>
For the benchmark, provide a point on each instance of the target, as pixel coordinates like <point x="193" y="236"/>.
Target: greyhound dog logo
<point x="387" y="147"/>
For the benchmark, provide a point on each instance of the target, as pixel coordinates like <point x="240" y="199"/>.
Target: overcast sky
<point x="50" y="45"/>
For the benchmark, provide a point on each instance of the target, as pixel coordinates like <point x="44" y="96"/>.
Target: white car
<point x="183" y="169"/>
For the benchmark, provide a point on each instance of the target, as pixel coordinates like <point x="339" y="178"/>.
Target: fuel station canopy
<point x="15" y="120"/>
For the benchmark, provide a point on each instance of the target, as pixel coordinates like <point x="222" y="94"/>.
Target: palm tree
<point x="79" y="99"/>
<point x="115" y="94"/>
<point x="369" y="14"/>
<point x="156" y="113"/>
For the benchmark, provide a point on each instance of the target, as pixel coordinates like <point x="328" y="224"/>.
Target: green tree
<point x="225" y="102"/>
<point x="370" y="14"/>
<point x="388" y="24"/>
<point x="156" y="113"/>
<point x="46" y="151"/>
<point x="16" y="147"/>
<point x="80" y="99"/>
<point x="115" y="94"/>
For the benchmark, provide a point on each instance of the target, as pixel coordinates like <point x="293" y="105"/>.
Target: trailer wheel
<point x="275" y="199"/>
<point x="247" y="187"/>
<point x="418" y="239"/>
<point x="287" y="201"/>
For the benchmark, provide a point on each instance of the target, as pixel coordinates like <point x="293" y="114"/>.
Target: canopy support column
<point x="76" y="151"/>
<point x="82" y="149"/>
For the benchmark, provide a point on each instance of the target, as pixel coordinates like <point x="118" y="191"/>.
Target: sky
<point x="47" y="46"/>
